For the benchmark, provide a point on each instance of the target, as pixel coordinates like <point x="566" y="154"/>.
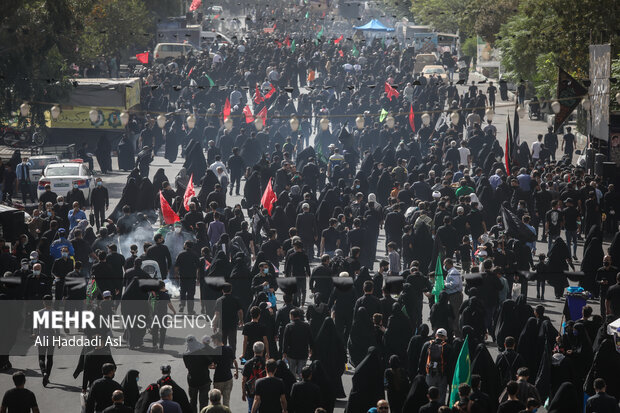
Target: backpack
<point x="435" y="362"/>
<point x="258" y="372"/>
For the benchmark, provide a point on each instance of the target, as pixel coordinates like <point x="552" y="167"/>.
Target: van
<point x="423" y="59"/>
<point x="168" y="51"/>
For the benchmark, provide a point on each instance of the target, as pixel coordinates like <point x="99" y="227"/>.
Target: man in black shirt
<point x="297" y="342"/>
<point x="160" y="253"/>
<point x="252" y="371"/>
<point x="283" y="317"/>
<point x="118" y="404"/>
<point x="305" y="395"/>
<point x="236" y="166"/>
<point x="551" y="141"/>
<point x="553" y="222"/>
<point x="254" y="332"/>
<point x="19" y="399"/>
<point x="512" y="405"/>
<point x="186" y="266"/>
<point x="100" y="395"/>
<point x="307" y="229"/>
<point x="61" y="267"/>
<point x="605" y="277"/>
<point x="330" y="238"/>
<point x="270" y="393"/>
<point x="568" y="144"/>
<point x="368" y="300"/>
<point x="601" y="402"/>
<point x="99" y="201"/>
<point x="571" y="216"/>
<point x="272" y="248"/>
<point x="612" y="299"/>
<point x="491" y="91"/>
<point x="228" y="315"/>
<point x="298" y="266"/>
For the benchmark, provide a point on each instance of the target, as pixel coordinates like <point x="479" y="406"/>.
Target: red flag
<point x="143" y="57"/>
<point x="274" y="26"/>
<point x="170" y="217"/>
<point x="189" y="192"/>
<point x="391" y="91"/>
<point x="287" y="41"/>
<point x="190" y="72"/>
<point x="258" y="98"/>
<point x="263" y="114"/>
<point x="217" y="16"/>
<point x="269" y="198"/>
<point x="270" y="93"/>
<point x="226" y="111"/>
<point x="341" y="53"/>
<point x="195" y="5"/>
<point x="279" y="43"/>
<point x="411" y="118"/>
<point x="249" y="118"/>
<point x="338" y="40"/>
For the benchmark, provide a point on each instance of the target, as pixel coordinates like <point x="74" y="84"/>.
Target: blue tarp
<point x="375" y="26"/>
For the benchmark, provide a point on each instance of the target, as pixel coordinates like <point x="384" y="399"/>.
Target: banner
<point x="78" y="117"/>
<point x="600" y="72"/>
<point x="570" y="93"/>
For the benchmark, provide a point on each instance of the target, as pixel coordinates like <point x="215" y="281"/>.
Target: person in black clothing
<point x="61" y="267"/>
<point x="394" y="224"/>
<point x="612" y="299"/>
<point x="341" y="301"/>
<point x="48" y="195"/>
<point x="298" y="266"/>
<point x="297" y="342"/>
<point x="99" y="202"/>
<point x="118" y="404"/>
<point x="116" y="262"/>
<point x="272" y="248"/>
<point x="605" y="276"/>
<point x="100" y="395"/>
<point x="160" y="253"/>
<point x="433" y="404"/>
<point x="368" y="300"/>
<point x="197" y="361"/>
<point x="509" y="361"/>
<point x="307" y="230"/>
<point x="601" y="402"/>
<point x="19" y="399"/>
<point x="270" y="393"/>
<point x="512" y="405"/>
<point x="568" y="144"/>
<point x="321" y="278"/>
<point x="75" y="195"/>
<point x="236" y="168"/>
<point x="283" y="317"/>
<point x="305" y="395"/>
<point x="186" y="266"/>
<point x="480" y="401"/>
<point x="330" y="238"/>
<point x="264" y="281"/>
<point x="162" y="305"/>
<point x="253" y="332"/>
<point x="228" y="315"/>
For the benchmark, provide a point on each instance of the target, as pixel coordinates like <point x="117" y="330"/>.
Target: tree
<point x="112" y="25"/>
<point x="443" y="15"/>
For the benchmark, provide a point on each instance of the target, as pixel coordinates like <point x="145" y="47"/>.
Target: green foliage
<point x="470" y="47"/>
<point x="113" y="24"/>
<point x="443" y="15"/>
<point x="615" y="87"/>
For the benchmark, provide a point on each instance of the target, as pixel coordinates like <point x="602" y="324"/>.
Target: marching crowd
<point x="460" y="230"/>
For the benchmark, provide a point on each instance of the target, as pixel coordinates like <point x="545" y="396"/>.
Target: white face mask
<point x="61" y="203"/>
<point x="25" y="267"/>
<point x="36" y="272"/>
<point x="177" y="230"/>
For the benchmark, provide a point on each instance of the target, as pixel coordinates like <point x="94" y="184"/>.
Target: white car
<point x="61" y="177"/>
<point x="39" y="162"/>
<point x="435" y="70"/>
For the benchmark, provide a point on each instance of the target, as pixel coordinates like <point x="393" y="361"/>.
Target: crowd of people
<point x="293" y="270"/>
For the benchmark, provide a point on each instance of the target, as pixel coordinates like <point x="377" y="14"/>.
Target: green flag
<point x="462" y="372"/>
<point x="211" y="82"/>
<point x="307" y="14"/>
<point x="293" y="46"/>
<point x="320" y="33"/>
<point x="438" y="287"/>
<point x="318" y="148"/>
<point x="383" y="43"/>
<point x="354" y="51"/>
<point x="383" y="115"/>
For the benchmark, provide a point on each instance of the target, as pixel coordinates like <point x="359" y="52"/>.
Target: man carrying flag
<point x="168" y="214"/>
<point x="226" y="111"/>
<point x="258" y="97"/>
<point x="269" y="198"/>
<point x="189" y="192"/>
<point x="439" y="282"/>
<point x="462" y="372"/>
<point x="249" y="117"/>
<point x="411" y="118"/>
<point x="391" y="91"/>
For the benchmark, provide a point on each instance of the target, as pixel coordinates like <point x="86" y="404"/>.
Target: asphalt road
<point x="62" y="394"/>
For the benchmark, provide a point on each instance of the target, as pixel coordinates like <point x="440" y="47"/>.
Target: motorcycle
<point x="22" y="137"/>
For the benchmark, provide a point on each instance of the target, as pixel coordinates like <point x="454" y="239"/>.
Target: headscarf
<point x="484" y="366"/>
<point x="398" y="333"/>
<point x="148" y="396"/>
<point x="507" y="323"/>
<point x="329" y="348"/>
<point x="367" y="383"/>
<point x="322" y="378"/>
<point x="415" y="348"/>
<point x="130" y="388"/>
<point x="566" y="400"/>
<point x="361" y="336"/>
<point x="417" y="394"/>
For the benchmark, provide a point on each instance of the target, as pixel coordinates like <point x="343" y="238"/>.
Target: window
<point x="63" y="171"/>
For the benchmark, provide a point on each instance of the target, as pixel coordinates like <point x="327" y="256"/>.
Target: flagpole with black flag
<point x="508" y="149"/>
<point x="515" y="137"/>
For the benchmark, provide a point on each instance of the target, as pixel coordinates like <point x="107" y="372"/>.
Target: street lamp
<point x="324" y="123"/>
<point x="426" y="119"/>
<point x="556" y="107"/>
<point x="93" y="115"/>
<point x="454" y="117"/>
<point x="294" y="123"/>
<point x="24" y="109"/>
<point x="55" y="112"/>
<point x="359" y="122"/>
<point x="124" y="118"/>
<point x="258" y="124"/>
<point x="161" y="121"/>
<point x="521" y="111"/>
<point x="191" y="121"/>
<point x="489" y="114"/>
<point x="389" y="121"/>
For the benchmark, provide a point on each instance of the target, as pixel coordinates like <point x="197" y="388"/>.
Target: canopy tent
<point x="374" y="26"/>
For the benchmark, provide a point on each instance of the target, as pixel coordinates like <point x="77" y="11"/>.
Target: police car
<point x="62" y="176"/>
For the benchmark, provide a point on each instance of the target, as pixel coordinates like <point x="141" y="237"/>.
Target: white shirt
<point x="217" y="164"/>
<point x="464" y="152"/>
<point x="536" y="149"/>
<point x="453" y="283"/>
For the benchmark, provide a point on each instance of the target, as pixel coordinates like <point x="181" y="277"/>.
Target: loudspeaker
<point x="599" y="158"/>
<point x="610" y="170"/>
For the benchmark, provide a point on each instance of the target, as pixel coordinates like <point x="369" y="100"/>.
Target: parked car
<point x="168" y="51"/>
<point x="62" y="175"/>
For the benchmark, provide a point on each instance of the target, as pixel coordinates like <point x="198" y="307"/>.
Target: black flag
<point x="570" y="93"/>
<point x="515" y="228"/>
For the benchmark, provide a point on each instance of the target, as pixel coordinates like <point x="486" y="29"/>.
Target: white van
<point x="168" y="51"/>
